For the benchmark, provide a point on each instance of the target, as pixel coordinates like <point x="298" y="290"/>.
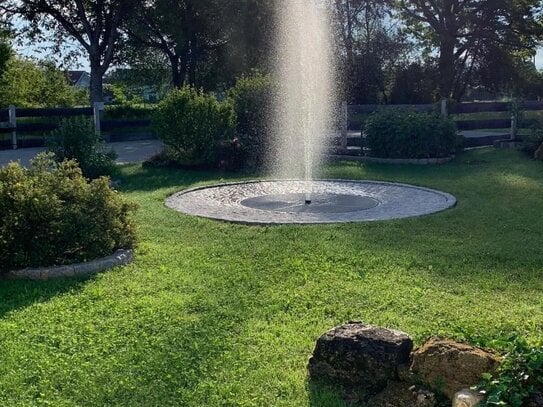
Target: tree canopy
<point x="25" y="83"/>
<point x="468" y="34"/>
<point x="388" y="50"/>
<point x="93" y="25"/>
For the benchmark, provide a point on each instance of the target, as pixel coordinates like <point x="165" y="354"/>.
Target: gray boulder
<point x="360" y="355"/>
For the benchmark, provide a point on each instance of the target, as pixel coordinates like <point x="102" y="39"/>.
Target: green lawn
<point x="214" y="314"/>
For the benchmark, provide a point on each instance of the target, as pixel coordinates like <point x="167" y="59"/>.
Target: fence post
<point x="13" y="125"/>
<point x="514" y="119"/>
<point x="98" y="110"/>
<point x="344" y="125"/>
<point x="444" y="107"/>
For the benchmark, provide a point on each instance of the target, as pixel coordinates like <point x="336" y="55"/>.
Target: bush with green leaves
<point x="518" y="379"/>
<point x="51" y="215"/>
<point x="75" y="139"/>
<point x="252" y="97"/>
<point x="532" y="144"/>
<point x="405" y="134"/>
<point x="193" y="125"/>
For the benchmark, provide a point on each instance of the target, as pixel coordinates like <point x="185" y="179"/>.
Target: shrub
<point x="193" y="124"/>
<point x="252" y="98"/>
<point x="393" y="134"/>
<point x="51" y="215"/>
<point x="532" y="141"/>
<point x="75" y="139"/>
<point x="519" y="377"/>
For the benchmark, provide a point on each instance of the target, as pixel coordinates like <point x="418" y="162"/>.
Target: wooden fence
<point x="9" y="122"/>
<point x="352" y="120"/>
<point x="356" y="115"/>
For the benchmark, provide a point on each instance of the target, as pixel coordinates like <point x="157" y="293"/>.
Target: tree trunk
<point x="179" y="70"/>
<point x="446" y="66"/>
<point x="96" y="84"/>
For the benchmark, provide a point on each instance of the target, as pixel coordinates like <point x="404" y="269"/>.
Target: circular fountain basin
<point x="331" y="201"/>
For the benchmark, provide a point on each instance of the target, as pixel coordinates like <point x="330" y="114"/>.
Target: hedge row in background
<point x="411" y="135"/>
<point x="50" y="214"/>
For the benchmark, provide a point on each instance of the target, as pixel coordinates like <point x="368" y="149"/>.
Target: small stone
<point x="467" y="398"/>
<point x="449" y="366"/>
<point x="360" y="355"/>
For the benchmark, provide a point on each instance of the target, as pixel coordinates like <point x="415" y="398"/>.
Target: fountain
<point x="303" y="119"/>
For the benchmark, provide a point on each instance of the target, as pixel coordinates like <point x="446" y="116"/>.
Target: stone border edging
<point x="119" y="258"/>
<point x="410" y="161"/>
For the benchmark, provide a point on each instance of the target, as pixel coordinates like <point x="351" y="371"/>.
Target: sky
<point x="539" y="59"/>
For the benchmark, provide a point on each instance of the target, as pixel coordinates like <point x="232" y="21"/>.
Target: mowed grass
<point x="215" y="314"/>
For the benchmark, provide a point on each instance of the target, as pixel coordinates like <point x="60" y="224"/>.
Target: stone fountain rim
<point x="340" y="180"/>
<point x="450" y="199"/>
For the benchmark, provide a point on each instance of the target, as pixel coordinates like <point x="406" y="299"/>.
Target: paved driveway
<point x="128" y="152"/>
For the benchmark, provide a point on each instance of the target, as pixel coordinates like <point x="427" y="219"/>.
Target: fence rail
<point x="353" y="117"/>
<point x="9" y="122"/>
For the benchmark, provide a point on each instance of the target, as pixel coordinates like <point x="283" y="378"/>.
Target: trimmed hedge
<point x="50" y="214"/>
<point x="193" y="125"/>
<point x="252" y="97"/>
<point x="395" y="134"/>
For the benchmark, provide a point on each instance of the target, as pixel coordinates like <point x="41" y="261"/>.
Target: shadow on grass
<point x="136" y="178"/>
<point x="18" y="294"/>
<point x="324" y="394"/>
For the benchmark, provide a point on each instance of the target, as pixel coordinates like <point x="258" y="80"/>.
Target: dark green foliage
<point x="75" y="139"/>
<point x="50" y="214"/>
<point x="128" y="111"/>
<point x="252" y="98"/>
<point x="519" y="377"/>
<point x="193" y="124"/>
<point x="403" y="134"/>
<point x="533" y="141"/>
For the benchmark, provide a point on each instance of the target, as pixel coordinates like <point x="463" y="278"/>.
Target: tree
<point x="467" y="32"/>
<point x="25" y="83"/>
<point x="6" y="52"/>
<point x="93" y="25"/>
<point x="415" y="83"/>
<point x="181" y="30"/>
<point x="204" y="42"/>
<point x="371" y="47"/>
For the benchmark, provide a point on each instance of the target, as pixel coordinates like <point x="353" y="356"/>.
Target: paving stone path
<point x="128" y="152"/>
<point x="235" y="202"/>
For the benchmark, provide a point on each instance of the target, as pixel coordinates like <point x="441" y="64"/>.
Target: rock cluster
<point x="449" y="366"/>
<point x="380" y="363"/>
<point x="361" y="355"/>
